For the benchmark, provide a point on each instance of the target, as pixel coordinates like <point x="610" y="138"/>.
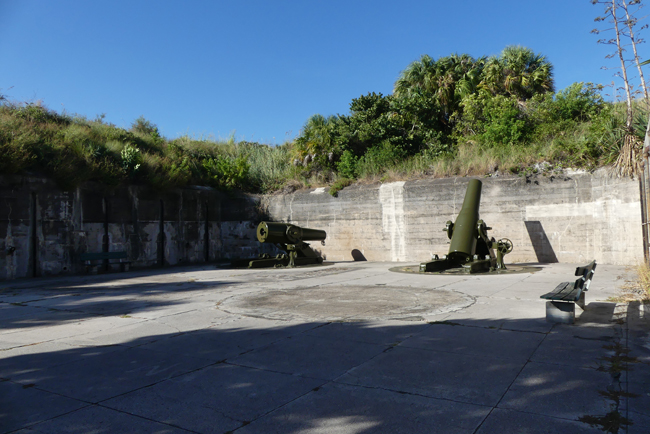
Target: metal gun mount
<point x="291" y="239"/>
<point x="470" y="248"/>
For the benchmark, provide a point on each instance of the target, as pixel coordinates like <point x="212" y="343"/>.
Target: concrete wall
<point x="573" y="218"/>
<point x="44" y="229"/>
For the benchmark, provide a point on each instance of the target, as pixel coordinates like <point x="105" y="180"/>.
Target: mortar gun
<point x="470" y="247"/>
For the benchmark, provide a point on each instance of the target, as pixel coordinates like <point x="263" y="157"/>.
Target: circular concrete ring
<point x="347" y="303"/>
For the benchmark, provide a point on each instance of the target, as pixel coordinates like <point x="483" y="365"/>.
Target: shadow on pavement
<point x="66" y="304"/>
<point x="250" y="375"/>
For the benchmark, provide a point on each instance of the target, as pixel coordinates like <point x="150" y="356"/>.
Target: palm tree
<point x="417" y="75"/>
<point x="518" y="71"/>
<point x="470" y="79"/>
<point x="447" y="80"/>
<point x="316" y="137"/>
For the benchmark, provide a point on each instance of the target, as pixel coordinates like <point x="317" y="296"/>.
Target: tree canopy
<point x="436" y="103"/>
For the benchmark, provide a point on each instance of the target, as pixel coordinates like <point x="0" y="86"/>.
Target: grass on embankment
<point x="73" y="149"/>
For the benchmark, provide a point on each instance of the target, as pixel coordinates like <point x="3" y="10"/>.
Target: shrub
<point x="347" y="165"/>
<point x="39" y="114"/>
<point x="499" y="121"/>
<point x="143" y="126"/>
<point x="379" y="158"/>
<point x="579" y="102"/>
<point x="131" y="159"/>
<point x="339" y="185"/>
<point x="227" y="173"/>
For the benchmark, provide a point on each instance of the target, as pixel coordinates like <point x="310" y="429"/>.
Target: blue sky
<point x="258" y="69"/>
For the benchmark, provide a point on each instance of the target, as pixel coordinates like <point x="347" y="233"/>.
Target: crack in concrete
<point x="512" y="382"/>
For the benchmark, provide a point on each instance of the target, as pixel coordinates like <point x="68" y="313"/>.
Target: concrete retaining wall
<point x="573" y="218"/>
<point x="44" y="229"/>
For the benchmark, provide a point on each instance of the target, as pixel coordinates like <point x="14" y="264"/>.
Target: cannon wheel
<point x="504" y="245"/>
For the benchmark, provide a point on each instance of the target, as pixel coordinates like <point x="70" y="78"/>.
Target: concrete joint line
<point x="154" y="420"/>
<point x="401" y="392"/>
<point x="315" y="389"/>
<point x="57" y="416"/>
<point x="149" y="385"/>
<point x="513" y="382"/>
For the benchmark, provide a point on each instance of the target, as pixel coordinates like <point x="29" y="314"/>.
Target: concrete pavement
<point x="342" y="348"/>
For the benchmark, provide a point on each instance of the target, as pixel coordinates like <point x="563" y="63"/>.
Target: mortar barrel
<point x="463" y="240"/>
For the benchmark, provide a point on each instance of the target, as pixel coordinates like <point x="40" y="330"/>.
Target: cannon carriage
<point x="290" y="238"/>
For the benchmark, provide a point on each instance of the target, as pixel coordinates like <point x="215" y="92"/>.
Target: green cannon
<point x="291" y="239"/>
<point x="470" y="248"/>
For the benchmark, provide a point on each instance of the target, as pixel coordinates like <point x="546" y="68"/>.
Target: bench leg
<point x="560" y="312"/>
<point x="581" y="301"/>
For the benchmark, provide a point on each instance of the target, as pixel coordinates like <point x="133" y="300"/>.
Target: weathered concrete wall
<point x="44" y="229"/>
<point x="572" y="218"/>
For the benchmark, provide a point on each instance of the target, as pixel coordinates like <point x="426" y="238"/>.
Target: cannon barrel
<point x="463" y="238"/>
<point x="284" y="233"/>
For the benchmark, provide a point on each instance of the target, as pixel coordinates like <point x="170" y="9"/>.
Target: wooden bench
<point x="561" y="306"/>
<point x="94" y="260"/>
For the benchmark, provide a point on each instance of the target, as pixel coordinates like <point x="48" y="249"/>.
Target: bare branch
<point x="631" y="21"/>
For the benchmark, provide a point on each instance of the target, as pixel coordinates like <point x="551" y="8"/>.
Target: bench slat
<point x="566" y="291"/>
<point x="571" y="291"/>
<point x="562" y="300"/>
<point x="587" y="269"/>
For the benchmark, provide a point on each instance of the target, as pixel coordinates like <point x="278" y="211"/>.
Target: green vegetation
<point x="454" y="116"/>
<point x="458" y="115"/>
<point x="72" y="149"/>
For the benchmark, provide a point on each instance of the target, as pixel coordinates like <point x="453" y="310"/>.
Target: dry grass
<point x="470" y="160"/>
<point x="628" y="162"/>
<point x="637" y="289"/>
<point x="643" y="282"/>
